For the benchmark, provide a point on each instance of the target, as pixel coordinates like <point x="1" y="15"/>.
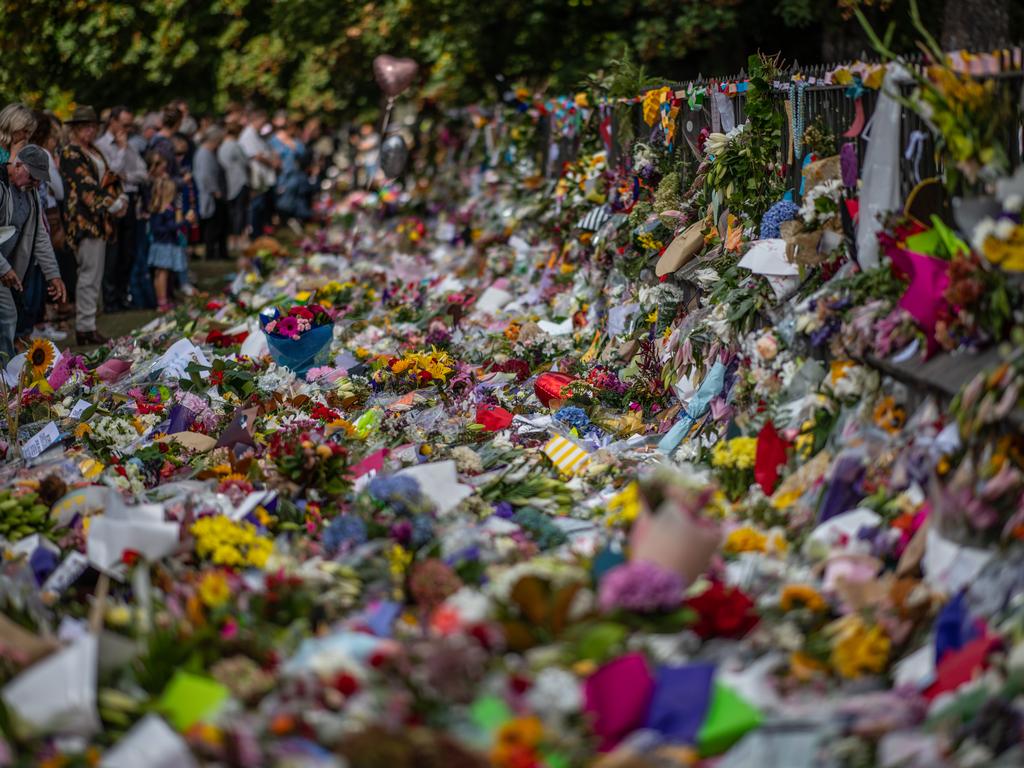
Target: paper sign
<point x="492" y="300"/>
<point x="40" y="441"/>
<point x="58" y="694"/>
<point x="174" y="361"/>
<point x="109" y="538"/>
<point x="439" y="482"/>
<point x="80" y="407"/>
<point x="151" y="743"/>
<point x="189" y="699"/>
<point x="556" y="329"/>
<point x="67" y="573"/>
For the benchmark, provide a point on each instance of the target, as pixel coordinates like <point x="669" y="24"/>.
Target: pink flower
<point x="271" y="326"/>
<point x="288" y="326"/>
<point x="230" y="630"/>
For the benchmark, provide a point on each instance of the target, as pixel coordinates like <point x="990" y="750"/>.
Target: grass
<point x="209" y="276"/>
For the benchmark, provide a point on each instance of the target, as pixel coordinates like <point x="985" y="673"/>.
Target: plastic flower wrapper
<point x="299" y="339"/>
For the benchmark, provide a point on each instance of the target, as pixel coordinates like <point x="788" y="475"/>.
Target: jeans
<point x="30" y="302"/>
<point x="260" y="209"/>
<point x="90" y="255"/>
<point x="141" y="282"/>
<point x="8" y="324"/>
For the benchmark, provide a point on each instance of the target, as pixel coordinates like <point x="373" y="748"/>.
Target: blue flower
<point x="784" y="210"/>
<point x="573" y="416"/>
<point x="400" y="491"/>
<point x="344" y="530"/>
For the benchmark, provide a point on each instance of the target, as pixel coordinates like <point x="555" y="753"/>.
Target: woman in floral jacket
<point x="93" y="198"/>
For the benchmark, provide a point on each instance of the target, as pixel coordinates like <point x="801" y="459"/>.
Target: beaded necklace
<point x="799" y="102"/>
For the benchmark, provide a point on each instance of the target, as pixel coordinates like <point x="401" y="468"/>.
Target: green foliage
<point x="315" y="55"/>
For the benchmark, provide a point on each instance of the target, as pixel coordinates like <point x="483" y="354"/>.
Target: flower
<point x="214" y="589"/>
<point x="796" y="596"/>
<point x="642" y="587"/>
<point x="40" y="357"/>
<point x="767" y="346"/>
<point x="723" y="611"/>
<point x="745" y="539"/>
<point x="857" y="649"/>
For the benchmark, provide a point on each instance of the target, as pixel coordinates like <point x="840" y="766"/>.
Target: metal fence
<point x="836" y="110"/>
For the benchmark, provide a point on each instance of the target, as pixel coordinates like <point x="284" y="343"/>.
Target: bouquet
<point x="298" y="338"/>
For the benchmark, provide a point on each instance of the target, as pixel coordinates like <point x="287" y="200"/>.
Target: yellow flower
<point x="801" y="596"/>
<point x="786" y="499"/>
<point x="39" y="357"/>
<point x="214" y="589"/>
<point x="857" y="649"/>
<point x="118" y="615"/>
<point x="738" y="453"/>
<point x="82" y="429"/>
<point x="515" y="736"/>
<point x="805" y="667"/>
<point x="624" y="507"/>
<point x="745" y="539"/>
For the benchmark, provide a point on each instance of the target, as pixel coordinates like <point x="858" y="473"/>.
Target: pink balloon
<point x="394" y="75"/>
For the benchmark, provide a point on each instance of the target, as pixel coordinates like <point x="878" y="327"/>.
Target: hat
<point x="83" y="114"/>
<point x="681" y="250"/>
<point x="33" y="157"/>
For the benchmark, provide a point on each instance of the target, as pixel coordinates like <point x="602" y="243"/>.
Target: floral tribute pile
<point x="660" y="490"/>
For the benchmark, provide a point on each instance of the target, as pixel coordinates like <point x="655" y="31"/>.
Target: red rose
<point x="723" y="612"/>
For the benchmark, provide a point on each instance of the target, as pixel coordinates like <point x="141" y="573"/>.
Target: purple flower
<point x="848" y="164"/>
<point x="641" y="587"/>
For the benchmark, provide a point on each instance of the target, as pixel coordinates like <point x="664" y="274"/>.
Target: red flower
<point x="130" y="557"/>
<point x="217" y="377"/>
<point x="723" y="611"/>
<point x="346" y="683"/>
<point x="302" y="312"/>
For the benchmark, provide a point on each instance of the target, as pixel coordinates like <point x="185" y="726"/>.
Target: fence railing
<point x="836" y="109"/>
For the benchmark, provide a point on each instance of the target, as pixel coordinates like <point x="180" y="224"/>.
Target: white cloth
<point x="91" y="255"/>
<point x="880" y="186"/>
<point x="261" y="176"/>
<point x="124" y="161"/>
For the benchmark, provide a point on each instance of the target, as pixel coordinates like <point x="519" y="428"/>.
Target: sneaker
<point x="49" y="332"/>
<point x="90" y="338"/>
<point x="188" y="290"/>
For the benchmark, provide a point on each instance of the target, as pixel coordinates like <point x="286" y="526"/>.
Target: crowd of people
<point x="103" y="211"/>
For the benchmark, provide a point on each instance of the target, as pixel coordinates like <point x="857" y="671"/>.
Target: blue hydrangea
<point x="422" y="530"/>
<point x="400" y="491"/>
<point x="784" y="210"/>
<point x="344" y="530"/>
<point x="573" y="416"/>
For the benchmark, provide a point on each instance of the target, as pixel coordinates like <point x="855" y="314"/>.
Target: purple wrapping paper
<point x="680" y="701"/>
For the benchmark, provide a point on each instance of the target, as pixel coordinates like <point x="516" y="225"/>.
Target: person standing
<point x="212" y="189"/>
<point x="29" y="250"/>
<point x="17" y="122"/>
<point x="166" y="230"/>
<point x="123" y="160"/>
<point x="263" y="165"/>
<point x="163" y="140"/>
<point x="93" y="199"/>
<point x="292" y="181"/>
<point x="235" y="163"/>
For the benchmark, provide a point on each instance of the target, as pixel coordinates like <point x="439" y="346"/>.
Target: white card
<point x="40" y="441"/>
<point x="80" y="407"/>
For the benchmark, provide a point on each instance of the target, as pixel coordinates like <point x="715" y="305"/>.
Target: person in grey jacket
<point x="211" y="185"/>
<point x="29" y="247"/>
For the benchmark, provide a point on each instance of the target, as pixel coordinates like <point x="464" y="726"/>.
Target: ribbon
<point x="915" y="147"/>
<point x="858" y="120"/>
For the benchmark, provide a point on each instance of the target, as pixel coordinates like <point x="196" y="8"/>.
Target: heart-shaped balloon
<point x="394" y="75"/>
<point x="549" y="386"/>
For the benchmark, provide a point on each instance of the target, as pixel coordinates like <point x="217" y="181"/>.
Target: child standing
<point x="167" y="230"/>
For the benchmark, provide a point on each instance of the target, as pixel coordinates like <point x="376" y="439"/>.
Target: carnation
<point x="641" y="587"/>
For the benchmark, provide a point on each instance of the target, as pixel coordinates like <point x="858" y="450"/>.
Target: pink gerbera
<point x="288" y="326"/>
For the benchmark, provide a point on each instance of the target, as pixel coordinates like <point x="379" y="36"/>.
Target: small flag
<point x="566" y="455"/>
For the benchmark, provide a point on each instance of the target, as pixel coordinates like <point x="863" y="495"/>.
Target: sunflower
<point x="40" y="356"/>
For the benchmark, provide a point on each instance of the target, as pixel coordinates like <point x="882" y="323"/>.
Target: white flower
<point x="982" y="231"/>
<point x="472" y="605"/>
<point x="706" y="277"/>
<point x="556" y="693"/>
<point x="1005" y="229"/>
<point x="1013" y="203"/>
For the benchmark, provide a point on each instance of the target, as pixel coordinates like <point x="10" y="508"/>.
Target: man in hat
<point x="29" y="248"/>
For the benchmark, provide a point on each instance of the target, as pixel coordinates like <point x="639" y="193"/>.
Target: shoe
<point x="90" y="338"/>
<point x="49" y="332"/>
<point x="188" y="290"/>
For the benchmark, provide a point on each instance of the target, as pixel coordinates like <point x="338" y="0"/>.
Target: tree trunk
<point x="975" y="25"/>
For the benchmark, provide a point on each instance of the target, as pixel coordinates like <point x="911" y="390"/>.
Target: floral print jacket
<point x="87" y="199"/>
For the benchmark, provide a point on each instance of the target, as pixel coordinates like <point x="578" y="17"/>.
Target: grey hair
<point x="15" y="117"/>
